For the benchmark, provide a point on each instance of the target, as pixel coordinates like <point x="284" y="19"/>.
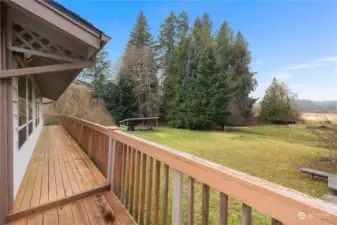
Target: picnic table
<point x="332" y="182"/>
<point x="130" y="124"/>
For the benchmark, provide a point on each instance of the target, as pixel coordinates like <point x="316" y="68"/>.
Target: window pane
<point x="22" y="136"/>
<point x="30" y="128"/>
<point x="30" y="100"/>
<point x="22" y="100"/>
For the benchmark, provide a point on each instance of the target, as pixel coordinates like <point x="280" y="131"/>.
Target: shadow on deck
<point x="62" y="179"/>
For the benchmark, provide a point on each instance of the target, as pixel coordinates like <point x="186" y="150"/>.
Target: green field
<point x="267" y="151"/>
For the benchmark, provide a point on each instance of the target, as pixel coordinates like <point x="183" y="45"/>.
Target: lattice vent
<point x="24" y="38"/>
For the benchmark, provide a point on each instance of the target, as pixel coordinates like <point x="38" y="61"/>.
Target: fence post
<point x="177" y="206"/>
<point x="111" y="159"/>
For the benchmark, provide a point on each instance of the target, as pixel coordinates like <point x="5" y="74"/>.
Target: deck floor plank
<point x="58" y="168"/>
<point x="98" y="209"/>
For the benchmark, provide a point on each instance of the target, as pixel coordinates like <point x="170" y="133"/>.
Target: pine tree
<point x="166" y="47"/>
<point x="98" y="75"/>
<point x="201" y="69"/>
<point x="241" y="104"/>
<point x="277" y="104"/>
<point x="176" y="106"/>
<point x="172" y="32"/>
<point x="140" y="35"/>
<point x="119" y="99"/>
<point x="182" y="26"/>
<point x="222" y="85"/>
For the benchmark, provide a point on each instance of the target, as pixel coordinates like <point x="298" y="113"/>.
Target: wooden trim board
<point x="43" y="69"/>
<point x="15" y="216"/>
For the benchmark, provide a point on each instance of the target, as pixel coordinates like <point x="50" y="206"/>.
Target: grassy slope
<point x="262" y="151"/>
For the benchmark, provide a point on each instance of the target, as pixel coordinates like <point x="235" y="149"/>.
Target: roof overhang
<point x="51" y="43"/>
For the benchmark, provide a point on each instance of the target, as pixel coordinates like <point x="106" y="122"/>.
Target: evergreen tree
<point x="176" y="106"/>
<point x="172" y="32"/>
<point x="99" y="74"/>
<point x="167" y="37"/>
<point x="222" y="89"/>
<point x="201" y="69"/>
<point x="166" y="47"/>
<point x="241" y="104"/>
<point x="119" y="99"/>
<point x="140" y="35"/>
<point x="277" y="104"/>
<point x="182" y="26"/>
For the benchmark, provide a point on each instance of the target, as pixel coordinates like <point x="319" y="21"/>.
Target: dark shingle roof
<point x="73" y="15"/>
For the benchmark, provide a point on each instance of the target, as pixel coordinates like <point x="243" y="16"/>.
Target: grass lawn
<point x="263" y="151"/>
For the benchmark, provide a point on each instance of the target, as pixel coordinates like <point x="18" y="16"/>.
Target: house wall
<point x="23" y="154"/>
<point x="6" y="138"/>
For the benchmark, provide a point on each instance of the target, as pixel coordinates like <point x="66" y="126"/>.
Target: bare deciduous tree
<point x="76" y="101"/>
<point x="140" y="65"/>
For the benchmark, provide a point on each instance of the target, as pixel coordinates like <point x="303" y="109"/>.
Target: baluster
<point x="149" y="193"/>
<point x="223" y="209"/>
<point x="205" y="204"/>
<point x="190" y="209"/>
<point x="128" y="174"/>
<point x="177" y="206"/>
<point x="124" y="162"/>
<point x="120" y="155"/>
<point x="165" y="194"/>
<point x="111" y="161"/>
<point x="136" y="210"/>
<point x="116" y="171"/>
<point x="132" y="185"/>
<point x="246" y="214"/>
<point x="157" y="193"/>
<point x="142" y="193"/>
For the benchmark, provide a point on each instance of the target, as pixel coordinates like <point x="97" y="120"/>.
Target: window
<point x="22" y="85"/>
<point x="30" y="106"/>
<point x="37" y="107"/>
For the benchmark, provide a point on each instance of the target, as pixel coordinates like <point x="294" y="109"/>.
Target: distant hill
<point x="304" y="105"/>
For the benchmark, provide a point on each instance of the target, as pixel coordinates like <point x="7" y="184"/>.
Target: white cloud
<point x="329" y="59"/>
<point x="303" y="66"/>
<point x="335" y="71"/>
<point x="284" y="76"/>
<point x="259" y="61"/>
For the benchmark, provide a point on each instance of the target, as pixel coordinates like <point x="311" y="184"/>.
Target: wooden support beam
<point x="43" y="69"/>
<point x="43" y="54"/>
<point x="31" y="211"/>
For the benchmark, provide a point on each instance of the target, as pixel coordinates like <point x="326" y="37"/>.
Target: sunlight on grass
<point x="268" y="152"/>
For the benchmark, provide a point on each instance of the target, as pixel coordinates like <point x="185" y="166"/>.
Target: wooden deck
<point x="58" y="169"/>
<point x="99" y="209"/>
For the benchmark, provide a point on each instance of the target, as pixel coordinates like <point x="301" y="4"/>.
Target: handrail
<point x="130" y="155"/>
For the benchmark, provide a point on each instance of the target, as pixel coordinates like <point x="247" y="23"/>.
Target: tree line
<point x="191" y="76"/>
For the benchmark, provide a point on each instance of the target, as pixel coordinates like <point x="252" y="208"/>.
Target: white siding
<point x="23" y="155"/>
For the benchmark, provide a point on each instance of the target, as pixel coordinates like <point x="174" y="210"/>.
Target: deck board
<point x="97" y="209"/>
<point x="58" y="168"/>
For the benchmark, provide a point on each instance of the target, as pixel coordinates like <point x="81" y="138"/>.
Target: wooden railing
<point x="51" y="119"/>
<point x="93" y="138"/>
<point x="148" y="179"/>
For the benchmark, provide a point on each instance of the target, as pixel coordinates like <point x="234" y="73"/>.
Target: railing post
<point x="111" y="159"/>
<point x="91" y="140"/>
<point x="177" y="206"/>
<point x="80" y="139"/>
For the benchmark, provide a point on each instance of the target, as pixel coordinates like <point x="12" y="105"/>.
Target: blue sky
<point x="295" y="41"/>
